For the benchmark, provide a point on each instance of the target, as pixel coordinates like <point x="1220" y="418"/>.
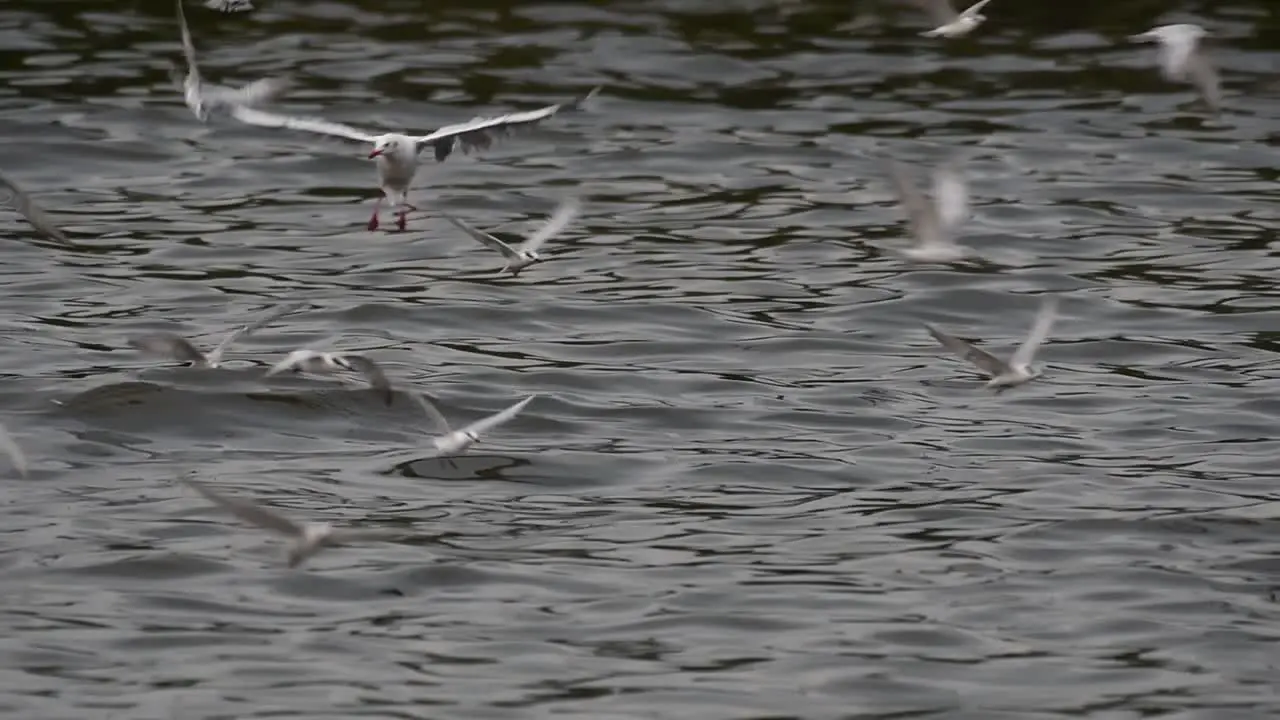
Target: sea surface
<point x="751" y="484"/>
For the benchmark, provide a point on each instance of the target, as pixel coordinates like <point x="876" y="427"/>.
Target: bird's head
<point x="387" y="146"/>
<point x="1170" y="34"/>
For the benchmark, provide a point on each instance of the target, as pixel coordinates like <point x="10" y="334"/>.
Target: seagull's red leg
<point x="402" y="219"/>
<point x="373" y="219"/>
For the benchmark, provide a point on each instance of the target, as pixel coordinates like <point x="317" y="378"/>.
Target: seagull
<point x="229" y="6"/>
<point x="202" y="97"/>
<point x="314" y="361"/>
<point x="178" y="348"/>
<point x="456" y="442"/>
<point x="518" y="258"/>
<point x="308" y="539"/>
<point x="933" y="223"/>
<point x="28" y="209"/>
<point x="10" y="448"/>
<point x="950" y="23"/>
<point x="1182" y="59"/>
<point x="397" y="154"/>
<point x="1018" y="370"/>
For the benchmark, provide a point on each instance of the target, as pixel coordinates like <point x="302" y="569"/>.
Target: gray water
<point x="752" y="485"/>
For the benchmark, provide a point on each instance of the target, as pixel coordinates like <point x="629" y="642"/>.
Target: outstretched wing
<point x="985" y="361"/>
<point x="480" y="133"/>
<point x="563" y="215"/>
<point x="433" y="413"/>
<point x="28" y="209"/>
<point x="249" y="512"/>
<point x="1039" y="332"/>
<point x="483" y="425"/>
<point x="974" y="9"/>
<point x="253" y="116"/>
<point x="371" y="372"/>
<point x="950" y="197"/>
<point x="922" y="217"/>
<point x="216" y="355"/>
<point x="168" y="345"/>
<point x="1205" y="78"/>
<point x="10" y="448"/>
<point x="484" y="238"/>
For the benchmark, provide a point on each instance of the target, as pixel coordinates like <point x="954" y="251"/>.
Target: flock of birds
<point x="934" y="224"/>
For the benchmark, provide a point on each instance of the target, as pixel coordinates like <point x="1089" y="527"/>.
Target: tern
<point x="308" y="539"/>
<point x="314" y="361"/>
<point x="933" y="223"/>
<point x="526" y="254"/>
<point x="179" y="348"/>
<point x="1182" y="59"/>
<point x="28" y="209"/>
<point x="1019" y="369"/>
<point x="397" y="154"/>
<point x="950" y="23"/>
<point x="456" y="442"/>
<point x="203" y="97"/>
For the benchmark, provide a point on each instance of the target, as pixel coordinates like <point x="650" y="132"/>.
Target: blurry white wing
<point x="974" y="9"/>
<point x="484" y="238"/>
<point x="293" y="359"/>
<point x="249" y="512"/>
<point x="253" y="327"/>
<point x="950" y="196"/>
<point x="939" y="11"/>
<point x="188" y="47"/>
<point x="922" y="215"/>
<point x="483" y="425"/>
<point x="1039" y="331"/>
<point x="433" y="413"/>
<point x="563" y="215"/>
<point x="254" y="93"/>
<point x="11" y="449"/>
<point x="1205" y="78"/>
<point x="253" y="116"/>
<point x="28" y="208"/>
<point x="480" y="132"/>
<point x="983" y="360"/>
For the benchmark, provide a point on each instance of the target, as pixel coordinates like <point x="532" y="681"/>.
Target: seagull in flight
<point x="950" y="23"/>
<point x="933" y="223"/>
<point x="526" y="254"/>
<point x="397" y="154"/>
<point x="1019" y="369"/>
<point x="456" y="442"/>
<point x="313" y="361"/>
<point x="308" y="539"/>
<point x="178" y="348"/>
<point x="28" y="209"/>
<point x="202" y="97"/>
<point x="1182" y="59"/>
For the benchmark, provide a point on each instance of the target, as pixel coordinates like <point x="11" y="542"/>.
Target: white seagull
<point x="397" y="154"/>
<point x="526" y="254"/>
<point x="11" y="450"/>
<point x="1182" y="59"/>
<point x="308" y="539"/>
<point x="313" y="361"/>
<point x="28" y="209"/>
<point x="202" y="97"/>
<point x="178" y="348"/>
<point x="1005" y="374"/>
<point x="950" y="23"/>
<point x="933" y="223"/>
<point x="456" y="442"/>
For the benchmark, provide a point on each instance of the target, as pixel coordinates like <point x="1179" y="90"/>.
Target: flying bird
<point x="396" y="154"/>
<point x="308" y="539"/>
<point x="204" y="97"/>
<point x="175" y="347"/>
<point x="1182" y="59"/>
<point x="950" y="23"/>
<point x="28" y="209"/>
<point x="313" y="361"/>
<point x="933" y="223"/>
<point x="1019" y="369"/>
<point x="455" y="442"/>
<point x="525" y="254"/>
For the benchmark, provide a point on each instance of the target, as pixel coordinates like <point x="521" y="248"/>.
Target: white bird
<point x="202" y="97"/>
<point x="229" y="6"/>
<point x="526" y="254"/>
<point x="1019" y="369"/>
<point x="308" y="539"/>
<point x="28" y="209"/>
<point x="1182" y="59"/>
<point x="950" y="23"/>
<point x="313" y="361"/>
<point x="933" y="223"/>
<point x="11" y="450"/>
<point x="456" y="442"/>
<point x="179" y="348"/>
<point x="397" y="154"/>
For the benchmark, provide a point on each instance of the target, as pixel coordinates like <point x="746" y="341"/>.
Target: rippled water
<point x="753" y="486"/>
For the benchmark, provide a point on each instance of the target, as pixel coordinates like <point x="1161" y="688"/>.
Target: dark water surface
<point x="753" y="486"/>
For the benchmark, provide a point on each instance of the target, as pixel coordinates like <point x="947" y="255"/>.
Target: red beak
<point x="375" y="154"/>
